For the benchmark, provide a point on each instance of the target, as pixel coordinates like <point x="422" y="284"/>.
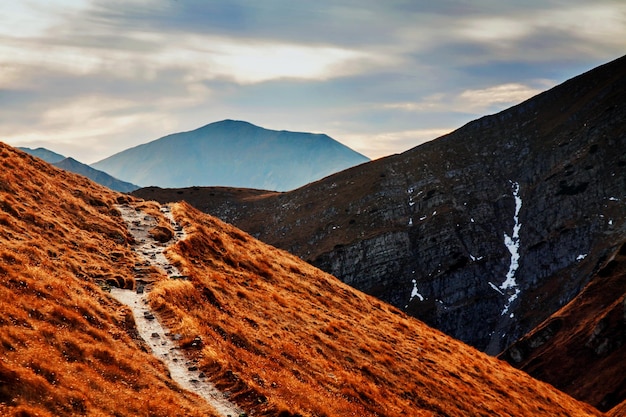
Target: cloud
<point x="499" y="95"/>
<point x="94" y="76"/>
<point x="377" y="145"/>
<point x="476" y="101"/>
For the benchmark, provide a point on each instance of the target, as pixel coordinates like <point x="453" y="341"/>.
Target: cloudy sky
<point x="88" y="78"/>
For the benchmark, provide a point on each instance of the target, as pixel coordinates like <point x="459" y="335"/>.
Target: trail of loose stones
<point x="162" y="343"/>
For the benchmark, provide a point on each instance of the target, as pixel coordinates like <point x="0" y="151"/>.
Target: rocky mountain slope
<point x="580" y="348"/>
<point x="482" y="233"/>
<point x="232" y="153"/>
<point x="275" y="334"/>
<point x="72" y="165"/>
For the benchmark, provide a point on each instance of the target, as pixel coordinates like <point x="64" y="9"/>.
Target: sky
<point x="89" y="78"/>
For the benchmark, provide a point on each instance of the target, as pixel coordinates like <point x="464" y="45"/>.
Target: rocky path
<point x="162" y="343"/>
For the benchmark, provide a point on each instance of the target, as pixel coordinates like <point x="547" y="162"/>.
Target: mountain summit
<point x="232" y="153"/>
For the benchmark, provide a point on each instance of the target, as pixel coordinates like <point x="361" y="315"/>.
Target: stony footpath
<point x="160" y="340"/>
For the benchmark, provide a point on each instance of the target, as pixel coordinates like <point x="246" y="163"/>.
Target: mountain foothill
<point x="479" y="274"/>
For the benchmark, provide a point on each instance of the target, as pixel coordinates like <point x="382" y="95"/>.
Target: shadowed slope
<point x="581" y="348"/>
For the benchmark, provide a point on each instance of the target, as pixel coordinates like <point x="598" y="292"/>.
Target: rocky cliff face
<point x="482" y="233"/>
<point x="580" y="348"/>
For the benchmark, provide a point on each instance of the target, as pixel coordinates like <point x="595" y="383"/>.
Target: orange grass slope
<point x="286" y="339"/>
<point x="66" y="347"/>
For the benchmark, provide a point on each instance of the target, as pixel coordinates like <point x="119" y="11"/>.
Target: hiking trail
<point x="163" y="344"/>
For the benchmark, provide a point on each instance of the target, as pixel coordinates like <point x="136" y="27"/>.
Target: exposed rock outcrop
<point x="580" y="348"/>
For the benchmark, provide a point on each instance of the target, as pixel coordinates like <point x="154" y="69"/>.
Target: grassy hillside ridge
<point x="66" y="347"/>
<point x="287" y="339"/>
<point x="281" y="336"/>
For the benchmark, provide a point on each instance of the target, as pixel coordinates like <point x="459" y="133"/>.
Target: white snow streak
<point x="495" y="288"/>
<point x="512" y="243"/>
<point x="415" y="293"/>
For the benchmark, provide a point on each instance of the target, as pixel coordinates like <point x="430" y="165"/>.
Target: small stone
<point x="155" y="335"/>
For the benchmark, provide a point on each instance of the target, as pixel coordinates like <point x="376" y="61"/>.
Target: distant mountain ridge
<point x="232" y="153"/>
<point x="77" y="167"/>
<point x="45" y="154"/>
<point x="101" y="177"/>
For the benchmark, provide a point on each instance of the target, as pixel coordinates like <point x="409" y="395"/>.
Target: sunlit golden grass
<point x="66" y="348"/>
<point x="283" y="338"/>
<point x="287" y="339"/>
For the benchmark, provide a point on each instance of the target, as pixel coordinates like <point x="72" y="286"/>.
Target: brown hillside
<point x="287" y="339"/>
<point x="280" y="336"/>
<point x="66" y="347"/>
<point x="581" y="348"/>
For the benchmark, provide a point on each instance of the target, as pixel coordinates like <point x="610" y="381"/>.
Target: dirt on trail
<point x="163" y="344"/>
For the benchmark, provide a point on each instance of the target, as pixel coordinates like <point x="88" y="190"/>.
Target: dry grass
<point x="281" y="336"/>
<point x="287" y="339"/>
<point x="66" y="348"/>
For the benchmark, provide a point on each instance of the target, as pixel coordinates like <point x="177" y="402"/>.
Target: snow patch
<point x="613" y="199"/>
<point x="410" y="221"/>
<point x="581" y="257"/>
<point x="415" y="292"/>
<point x="495" y="288"/>
<point x="512" y="298"/>
<point x="512" y="242"/>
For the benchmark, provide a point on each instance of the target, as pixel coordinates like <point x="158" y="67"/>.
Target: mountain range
<point x="506" y="227"/>
<point x="72" y="165"/>
<point x="275" y="335"/>
<point x="232" y="153"/>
